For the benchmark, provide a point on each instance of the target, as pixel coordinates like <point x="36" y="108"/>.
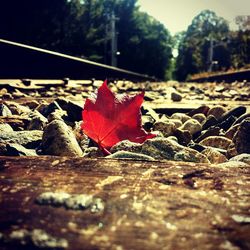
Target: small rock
<point x="243" y="219"/>
<point x="211" y="121"/>
<point x="37" y="122"/>
<point x="212" y="131"/>
<point x="14" y="149"/>
<point x="78" y="202"/>
<point x="38" y="238"/>
<point x="227" y="123"/>
<point x="167" y="128"/>
<point x="241" y="118"/>
<point x="216" y="142"/>
<point x="58" y="139"/>
<point x="217" y="111"/>
<point x="71" y="201"/>
<point x="42" y="107"/>
<point x="219" y="89"/>
<point x="201" y="118"/>
<point x="214" y="156"/>
<point x="232" y="131"/>
<point x="92" y="152"/>
<point x="236" y="112"/>
<point x="74" y="111"/>
<point x="62" y="102"/>
<point x="190" y="155"/>
<point x="31" y="104"/>
<point x="126" y="145"/>
<point x="160" y="148"/>
<point x="184" y="137"/>
<point x="53" y="199"/>
<point x="192" y="126"/>
<point x="3" y="149"/>
<point x="26" y="138"/>
<point x="231" y="151"/>
<point x="177" y="122"/>
<point x="242" y="137"/>
<point x="233" y="164"/>
<point x="3" y="91"/>
<point x="146" y="110"/>
<point x="201" y="110"/>
<point x="18" y="94"/>
<point x="18" y="109"/>
<point x="130" y="155"/>
<point x="5" y="127"/>
<point x="196" y="146"/>
<point x="242" y="158"/>
<point x="58" y="114"/>
<point x="83" y="141"/>
<point x="180" y="116"/>
<point x="48" y="109"/>
<point x="173" y="138"/>
<point x="4" y="110"/>
<point x="41" y="239"/>
<point x="176" y="96"/>
<point x="147" y="122"/>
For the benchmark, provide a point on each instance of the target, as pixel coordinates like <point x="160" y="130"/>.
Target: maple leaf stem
<point x="105" y="151"/>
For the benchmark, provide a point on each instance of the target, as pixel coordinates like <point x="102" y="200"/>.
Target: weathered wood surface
<point x="147" y="205"/>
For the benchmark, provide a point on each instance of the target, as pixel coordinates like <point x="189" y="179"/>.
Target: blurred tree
<point x="240" y="48"/>
<point x="201" y="45"/>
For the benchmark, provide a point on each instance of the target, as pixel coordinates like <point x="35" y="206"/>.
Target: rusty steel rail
<point x="20" y="61"/>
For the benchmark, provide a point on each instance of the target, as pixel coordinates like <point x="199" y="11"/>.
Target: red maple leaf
<point x="108" y="119"/>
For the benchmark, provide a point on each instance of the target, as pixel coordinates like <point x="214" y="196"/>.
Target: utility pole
<point x="210" y="55"/>
<point x="113" y="40"/>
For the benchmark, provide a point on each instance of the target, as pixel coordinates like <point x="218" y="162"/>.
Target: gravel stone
<point x="233" y="164"/>
<point x="5" y="127"/>
<point x="216" y="142"/>
<point x="180" y="116"/>
<point x="176" y="96"/>
<point x="26" y="138"/>
<point x="242" y="158"/>
<point x="201" y="118"/>
<point x="92" y="152"/>
<point x="242" y="137"/>
<point x="37" y="122"/>
<point x="192" y="126"/>
<point x="190" y="155"/>
<point x="59" y="139"/>
<point x="14" y="149"/>
<point x="217" y="111"/>
<point x="4" y="110"/>
<point x="18" y="109"/>
<point x="214" y="156"/>
<point x="167" y="127"/>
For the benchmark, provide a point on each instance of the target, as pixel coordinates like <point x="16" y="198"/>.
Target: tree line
<point x="209" y="45"/>
<point x="81" y="28"/>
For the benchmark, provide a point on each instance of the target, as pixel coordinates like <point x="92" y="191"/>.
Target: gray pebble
<point x="5" y="127"/>
<point x="26" y="138"/>
<point x="37" y="122"/>
<point x="4" y="110"/>
<point x="242" y="158"/>
<point x="14" y="149"/>
<point x="176" y="96"/>
<point x="59" y="139"/>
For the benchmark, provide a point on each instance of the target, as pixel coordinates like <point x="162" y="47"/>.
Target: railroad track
<point x="240" y="75"/>
<point x="22" y="61"/>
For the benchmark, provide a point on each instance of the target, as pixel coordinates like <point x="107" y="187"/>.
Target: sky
<point x="176" y="15"/>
